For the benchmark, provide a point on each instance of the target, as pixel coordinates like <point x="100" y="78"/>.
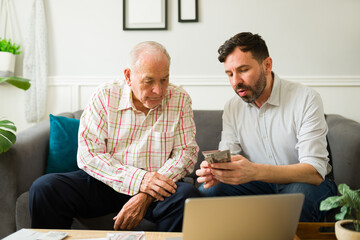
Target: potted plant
<point x="349" y="201"/>
<point x="8" y="50"/>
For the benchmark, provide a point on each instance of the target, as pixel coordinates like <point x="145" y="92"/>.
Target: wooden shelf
<point x="316" y="231"/>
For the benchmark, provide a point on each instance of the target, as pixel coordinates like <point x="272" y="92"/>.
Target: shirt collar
<point x="274" y="98"/>
<point x="125" y="100"/>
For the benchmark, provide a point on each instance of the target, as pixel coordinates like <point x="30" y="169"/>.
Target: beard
<point x="256" y="91"/>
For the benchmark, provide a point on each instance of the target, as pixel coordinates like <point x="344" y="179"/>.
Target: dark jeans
<point x="313" y="194"/>
<point x="55" y="199"/>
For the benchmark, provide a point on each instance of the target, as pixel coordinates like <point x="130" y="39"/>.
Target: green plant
<point x="7" y="128"/>
<point x="18" y="82"/>
<point x="349" y="201"/>
<point x="7" y="135"/>
<point x="8" y="46"/>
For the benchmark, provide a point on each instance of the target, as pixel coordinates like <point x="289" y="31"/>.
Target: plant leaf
<point x="8" y="46"/>
<point x="352" y="199"/>
<point x="342" y="214"/>
<point x="343" y="188"/>
<point x="18" y="82"/>
<point x="8" y="125"/>
<point x="331" y="202"/>
<point x="7" y="135"/>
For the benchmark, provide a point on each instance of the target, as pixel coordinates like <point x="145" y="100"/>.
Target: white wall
<point x="315" y="42"/>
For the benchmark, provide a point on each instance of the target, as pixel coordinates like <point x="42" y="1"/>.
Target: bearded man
<point x="274" y="129"/>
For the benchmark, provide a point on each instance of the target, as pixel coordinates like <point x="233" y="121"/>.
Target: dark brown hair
<point x="246" y="41"/>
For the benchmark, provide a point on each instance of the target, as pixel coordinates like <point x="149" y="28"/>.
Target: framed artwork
<point x="188" y="10"/>
<point x="144" y="14"/>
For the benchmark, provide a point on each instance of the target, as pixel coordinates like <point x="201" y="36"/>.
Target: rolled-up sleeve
<point x="311" y="135"/>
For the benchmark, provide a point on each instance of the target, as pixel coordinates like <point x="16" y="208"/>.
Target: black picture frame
<point x="130" y="23"/>
<point x="188" y="12"/>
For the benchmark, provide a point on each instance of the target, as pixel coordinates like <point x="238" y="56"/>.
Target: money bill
<point x="217" y="156"/>
<point x="126" y="236"/>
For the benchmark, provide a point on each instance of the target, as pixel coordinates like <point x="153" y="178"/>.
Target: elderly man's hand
<point x="132" y="212"/>
<point x="157" y="185"/>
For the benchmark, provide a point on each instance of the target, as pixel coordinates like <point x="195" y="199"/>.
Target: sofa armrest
<point x="344" y="142"/>
<point x="19" y="167"/>
<point x="28" y="155"/>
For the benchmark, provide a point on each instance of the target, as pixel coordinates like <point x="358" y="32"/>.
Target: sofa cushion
<point x="63" y="144"/>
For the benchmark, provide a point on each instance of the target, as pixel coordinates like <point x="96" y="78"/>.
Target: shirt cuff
<point x="134" y="178"/>
<point x="319" y="165"/>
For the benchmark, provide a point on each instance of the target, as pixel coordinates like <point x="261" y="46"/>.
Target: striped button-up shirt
<point x="119" y="144"/>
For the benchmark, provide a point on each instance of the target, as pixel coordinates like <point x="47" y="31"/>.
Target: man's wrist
<point x="259" y="169"/>
<point x="142" y="183"/>
<point x="146" y="198"/>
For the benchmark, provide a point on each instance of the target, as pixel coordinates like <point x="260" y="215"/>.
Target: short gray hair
<point x="147" y="46"/>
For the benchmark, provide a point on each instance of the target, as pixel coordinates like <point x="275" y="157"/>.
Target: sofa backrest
<point x="208" y="132"/>
<point x="343" y="139"/>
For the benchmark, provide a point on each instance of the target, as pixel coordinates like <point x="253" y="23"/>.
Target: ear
<point x="127" y="73"/>
<point x="267" y="64"/>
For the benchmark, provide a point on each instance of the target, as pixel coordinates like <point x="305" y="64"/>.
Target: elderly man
<point x="136" y="141"/>
<point x="275" y="130"/>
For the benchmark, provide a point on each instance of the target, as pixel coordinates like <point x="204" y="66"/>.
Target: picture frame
<point x="188" y="10"/>
<point x="145" y="15"/>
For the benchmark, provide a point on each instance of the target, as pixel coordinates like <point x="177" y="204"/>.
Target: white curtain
<point x="35" y="62"/>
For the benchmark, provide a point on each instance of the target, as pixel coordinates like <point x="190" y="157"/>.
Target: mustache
<point x="242" y="86"/>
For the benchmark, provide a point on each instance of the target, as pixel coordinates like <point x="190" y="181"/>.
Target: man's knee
<point x="187" y="190"/>
<point x="207" y="192"/>
<point x="310" y="191"/>
<point x="313" y="197"/>
<point x="43" y="185"/>
<point x="220" y="189"/>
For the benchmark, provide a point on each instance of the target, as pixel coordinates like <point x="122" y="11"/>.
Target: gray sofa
<point x="26" y="161"/>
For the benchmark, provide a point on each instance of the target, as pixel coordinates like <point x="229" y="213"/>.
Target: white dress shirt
<point x="288" y="128"/>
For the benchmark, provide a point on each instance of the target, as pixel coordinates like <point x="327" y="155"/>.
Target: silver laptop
<point x="256" y="217"/>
